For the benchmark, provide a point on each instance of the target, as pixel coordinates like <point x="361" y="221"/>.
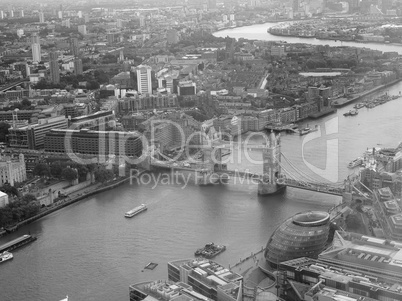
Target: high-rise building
<point x="22" y="13"/>
<point x="119" y="23"/>
<point x="295" y="6"/>
<point x="41" y="17"/>
<point x="1" y="15"/>
<point x="82" y="29"/>
<point x="74" y="47"/>
<point x="79" y="14"/>
<point x="144" y="81"/>
<point x="78" y="66"/>
<point x="36" y="51"/>
<point x="110" y="38"/>
<point x="60" y="14"/>
<point x="11" y="14"/>
<point x="86" y="18"/>
<point x="54" y="67"/>
<point x="142" y="21"/>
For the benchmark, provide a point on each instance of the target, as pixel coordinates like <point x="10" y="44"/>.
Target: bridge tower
<point x="271" y="167"/>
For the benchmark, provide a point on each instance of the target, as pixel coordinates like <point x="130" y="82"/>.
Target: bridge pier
<point x="270" y="188"/>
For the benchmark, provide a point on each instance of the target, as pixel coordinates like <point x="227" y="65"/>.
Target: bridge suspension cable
<point x="301" y="173"/>
<point x="305" y="176"/>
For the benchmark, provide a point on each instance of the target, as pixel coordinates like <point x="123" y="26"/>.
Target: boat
<point x="356" y="162"/>
<point x="359" y="105"/>
<point x="5" y="256"/>
<point x="210" y="250"/>
<point x="351" y="113"/>
<point x="304" y="131"/>
<point x="307" y="130"/>
<point x="136" y="210"/>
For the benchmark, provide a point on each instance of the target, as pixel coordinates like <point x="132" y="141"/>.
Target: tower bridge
<point x="275" y="175"/>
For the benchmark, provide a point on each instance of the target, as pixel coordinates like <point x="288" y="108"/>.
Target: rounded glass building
<point x="303" y="235"/>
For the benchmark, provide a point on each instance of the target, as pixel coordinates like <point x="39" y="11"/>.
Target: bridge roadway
<point x="323" y="188"/>
<point x="317" y="187"/>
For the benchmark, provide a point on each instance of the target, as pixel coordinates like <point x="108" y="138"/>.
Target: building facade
<point x="100" y="143"/>
<point x="36" y="50"/>
<point x="54" y="68"/>
<point x="207" y="278"/>
<point x="144" y="80"/>
<point x="12" y="170"/>
<point x="32" y="136"/>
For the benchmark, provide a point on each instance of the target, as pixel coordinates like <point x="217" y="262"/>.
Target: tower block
<point x="271" y="167"/>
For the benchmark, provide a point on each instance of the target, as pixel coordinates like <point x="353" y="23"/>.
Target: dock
<point x="16" y="243"/>
<point x="340" y="102"/>
<point x="280" y="128"/>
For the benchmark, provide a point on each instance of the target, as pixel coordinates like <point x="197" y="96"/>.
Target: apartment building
<point x="32" y="136"/>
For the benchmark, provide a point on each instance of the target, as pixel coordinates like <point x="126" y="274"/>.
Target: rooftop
<point x="168" y="291"/>
<point x="311" y="219"/>
<point x="208" y="271"/>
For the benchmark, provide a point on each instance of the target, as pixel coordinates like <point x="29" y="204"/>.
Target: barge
<point x="210" y="250"/>
<point x="16" y="243"/>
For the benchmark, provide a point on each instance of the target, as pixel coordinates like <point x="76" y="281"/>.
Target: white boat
<point x="351" y="113"/>
<point x="307" y="130"/>
<point x="304" y="131"/>
<point x="355" y="162"/>
<point x="136" y="210"/>
<point x="5" y="256"/>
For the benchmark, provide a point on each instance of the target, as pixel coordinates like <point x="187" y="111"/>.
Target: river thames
<point x="259" y="32"/>
<point x="89" y="251"/>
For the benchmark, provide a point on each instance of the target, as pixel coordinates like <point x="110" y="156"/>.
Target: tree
<point x="69" y="174"/>
<point x="103" y="175"/>
<point x="82" y="172"/>
<point x="92" y="85"/>
<point x="28" y="198"/>
<point x="26" y="103"/>
<point x="6" y="216"/>
<point x="353" y="222"/>
<point x="7" y="188"/>
<point x="4" y="131"/>
<point x="56" y="169"/>
<point x="41" y="169"/>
